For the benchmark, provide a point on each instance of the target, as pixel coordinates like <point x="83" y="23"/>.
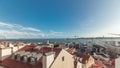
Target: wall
<point x="79" y="65"/>
<point x="5" y="52"/>
<point x="15" y="49"/>
<point x="117" y="63"/>
<point x="89" y="62"/>
<point x="47" y="60"/>
<point x="67" y="63"/>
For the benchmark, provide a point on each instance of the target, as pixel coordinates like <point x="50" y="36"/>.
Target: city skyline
<point x="59" y="19"/>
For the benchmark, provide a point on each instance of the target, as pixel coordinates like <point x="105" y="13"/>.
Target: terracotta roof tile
<point x="70" y="50"/>
<point x="17" y="64"/>
<point x="84" y="57"/>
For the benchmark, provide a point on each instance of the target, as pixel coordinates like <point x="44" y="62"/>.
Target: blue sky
<point x="59" y="18"/>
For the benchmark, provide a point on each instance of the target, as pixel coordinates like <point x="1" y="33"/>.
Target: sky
<point x="59" y="18"/>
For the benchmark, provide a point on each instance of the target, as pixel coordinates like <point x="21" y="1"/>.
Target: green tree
<point x="56" y="45"/>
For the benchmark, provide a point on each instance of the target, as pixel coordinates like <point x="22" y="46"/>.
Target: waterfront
<point x="84" y="41"/>
<point x="100" y="56"/>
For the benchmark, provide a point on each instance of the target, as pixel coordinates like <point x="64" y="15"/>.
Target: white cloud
<point x="18" y="31"/>
<point x="6" y="25"/>
<point x="54" y="34"/>
<point x="20" y="34"/>
<point x="14" y="26"/>
<point x="31" y="29"/>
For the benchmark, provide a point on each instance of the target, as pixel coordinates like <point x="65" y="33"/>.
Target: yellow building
<point x="64" y="60"/>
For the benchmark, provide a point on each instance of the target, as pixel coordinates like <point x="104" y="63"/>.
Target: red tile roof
<point x="17" y="64"/>
<point x="102" y="64"/>
<point x="99" y="63"/>
<point x="70" y="50"/>
<point x="84" y="57"/>
<point x="96" y="66"/>
<point x="26" y="48"/>
<point x="110" y="63"/>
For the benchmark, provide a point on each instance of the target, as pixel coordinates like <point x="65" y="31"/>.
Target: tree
<point x="56" y="45"/>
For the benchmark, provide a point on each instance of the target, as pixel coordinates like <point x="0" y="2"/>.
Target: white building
<point x="7" y="51"/>
<point x="117" y="63"/>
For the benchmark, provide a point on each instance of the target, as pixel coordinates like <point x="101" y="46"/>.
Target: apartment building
<point x="39" y="57"/>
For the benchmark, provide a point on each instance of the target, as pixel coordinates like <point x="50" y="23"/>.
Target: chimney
<point x="48" y="59"/>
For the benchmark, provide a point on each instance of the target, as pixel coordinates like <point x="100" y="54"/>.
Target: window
<point x="63" y="58"/>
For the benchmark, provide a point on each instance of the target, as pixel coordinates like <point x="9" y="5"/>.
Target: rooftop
<point x="82" y="57"/>
<point x="11" y="63"/>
